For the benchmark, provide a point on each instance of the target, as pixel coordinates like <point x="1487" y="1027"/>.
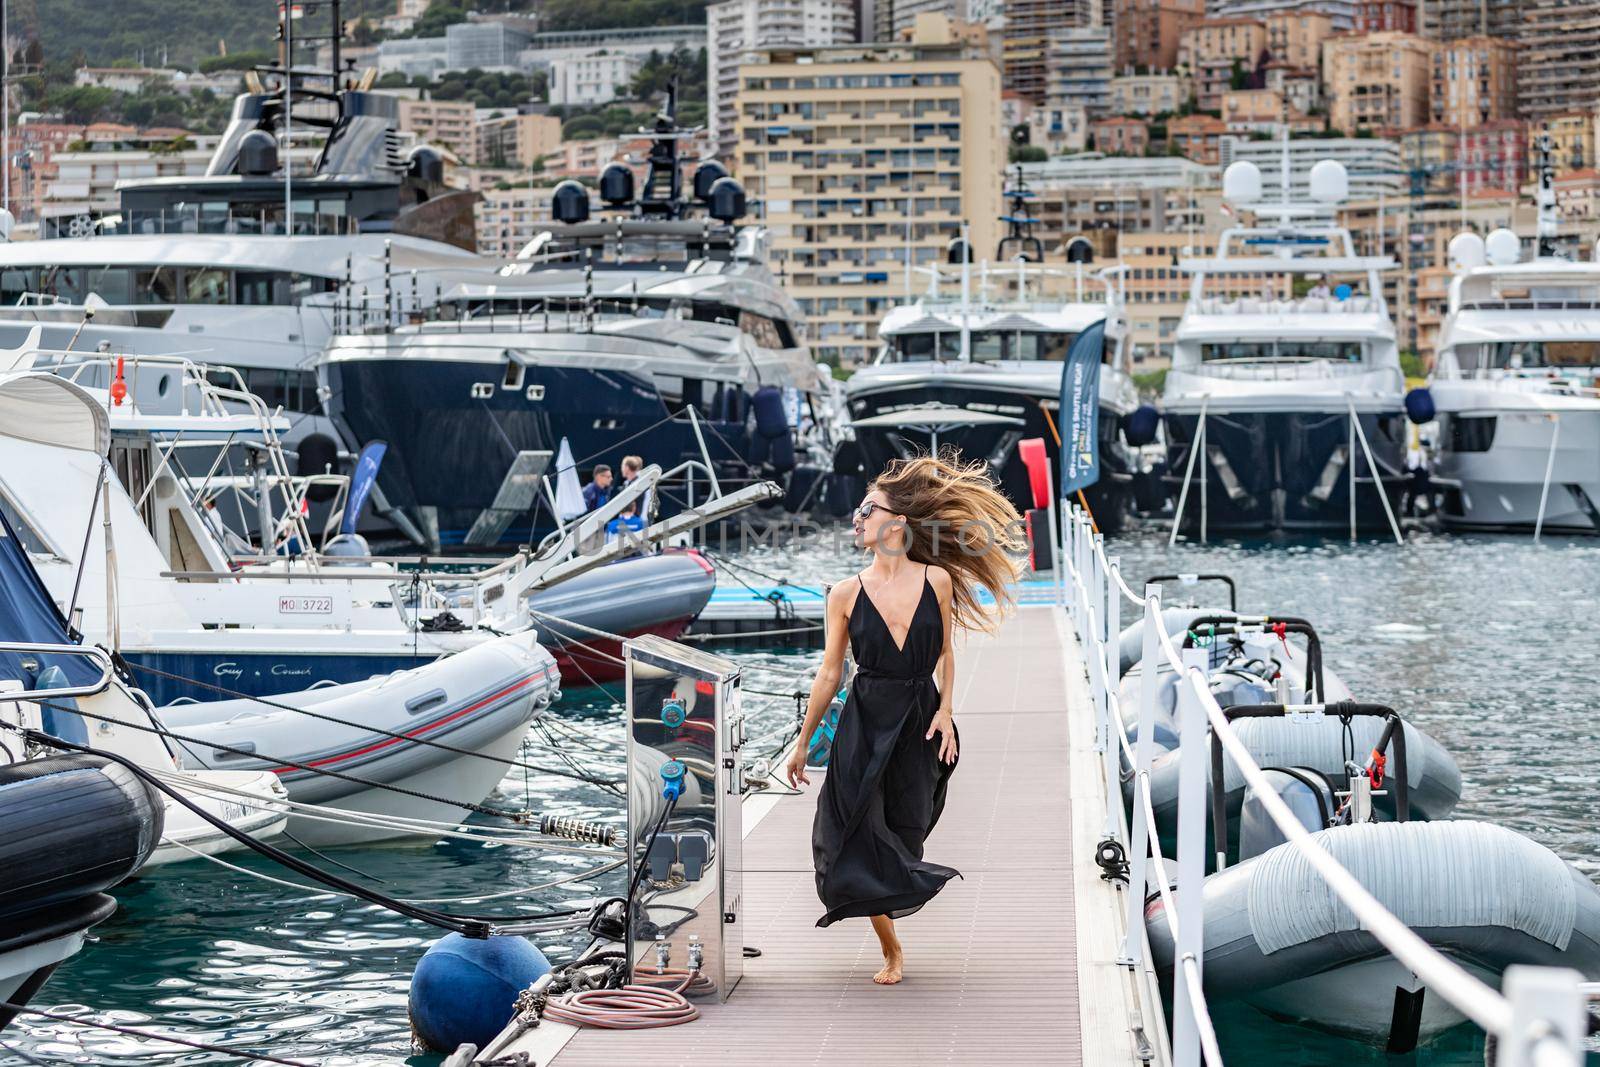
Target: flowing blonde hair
<point x="958" y="520"/>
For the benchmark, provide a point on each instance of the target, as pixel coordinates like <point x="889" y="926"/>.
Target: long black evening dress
<point x="885" y="785"/>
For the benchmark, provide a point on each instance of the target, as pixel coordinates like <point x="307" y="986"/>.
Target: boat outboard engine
<point x="1308" y="795"/>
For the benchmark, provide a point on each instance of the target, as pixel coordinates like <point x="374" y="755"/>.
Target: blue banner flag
<point x="1080" y="410"/>
<point x="361" y="483"/>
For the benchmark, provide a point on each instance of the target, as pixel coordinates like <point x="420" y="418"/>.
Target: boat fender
<point x="464" y="990"/>
<point x="782" y="456"/>
<point x="1419" y="406"/>
<point x="1139" y="425"/>
<point x="317" y="453"/>
<point x="771" y="421"/>
<point x="60" y="717"/>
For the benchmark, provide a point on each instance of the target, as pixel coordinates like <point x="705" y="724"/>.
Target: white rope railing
<point x="1538" y="1021"/>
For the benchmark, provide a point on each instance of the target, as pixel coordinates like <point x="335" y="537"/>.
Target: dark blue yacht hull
<point x="454" y="428"/>
<point x="1110" y="498"/>
<point x="1269" y="471"/>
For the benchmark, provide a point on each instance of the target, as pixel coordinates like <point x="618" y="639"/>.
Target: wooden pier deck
<point x="1012" y="964"/>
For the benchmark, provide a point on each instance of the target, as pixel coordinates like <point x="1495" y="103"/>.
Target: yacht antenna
<point x="287" y="9"/>
<point x="1545" y="198"/>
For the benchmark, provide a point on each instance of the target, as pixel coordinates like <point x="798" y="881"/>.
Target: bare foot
<point x="893" y="960"/>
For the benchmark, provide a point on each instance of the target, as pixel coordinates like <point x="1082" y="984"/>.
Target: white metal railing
<point x="1539" y="1021"/>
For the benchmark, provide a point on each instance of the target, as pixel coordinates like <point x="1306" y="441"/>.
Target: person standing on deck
<point x="598" y="491"/>
<point x="937" y="530"/>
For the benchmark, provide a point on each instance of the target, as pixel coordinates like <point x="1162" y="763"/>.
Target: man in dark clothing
<point x="598" y="491"/>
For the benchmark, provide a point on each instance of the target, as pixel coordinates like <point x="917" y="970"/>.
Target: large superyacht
<point x="1284" y="408"/>
<point x="1514" y="385"/>
<point x="655" y="329"/>
<point x="244" y="266"/>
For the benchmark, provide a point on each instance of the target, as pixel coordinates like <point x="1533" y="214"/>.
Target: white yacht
<point x="1294" y="401"/>
<point x="241" y="267"/>
<point x="976" y="363"/>
<point x="1514" y="384"/>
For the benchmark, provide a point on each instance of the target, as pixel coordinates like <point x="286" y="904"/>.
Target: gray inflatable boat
<point x="1277" y="938"/>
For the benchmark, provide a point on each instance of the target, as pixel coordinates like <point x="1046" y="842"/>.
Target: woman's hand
<point x="944" y="725"/>
<point x="795" y="769"/>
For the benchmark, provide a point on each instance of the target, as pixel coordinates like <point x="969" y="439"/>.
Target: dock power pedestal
<point x="685" y="728"/>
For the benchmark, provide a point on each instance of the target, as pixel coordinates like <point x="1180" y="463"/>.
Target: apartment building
<point x="1571" y="139"/>
<point x="1377" y="82"/>
<point x="1446" y="20"/>
<point x="1120" y="135"/>
<point x="1474" y="80"/>
<point x="598" y="77"/>
<point x="448" y="124"/>
<point x="1078" y="70"/>
<point x="1386" y="16"/>
<point x="867" y="160"/>
<point x="516" y="140"/>
<point x="1197" y="137"/>
<point x="1026" y="36"/>
<point x="1219" y="52"/>
<point x="1147" y="94"/>
<point x="736" y="27"/>
<point x="1147" y="32"/>
<point x="1295" y="37"/>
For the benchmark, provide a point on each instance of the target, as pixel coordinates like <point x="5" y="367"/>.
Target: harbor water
<point x="1484" y="641"/>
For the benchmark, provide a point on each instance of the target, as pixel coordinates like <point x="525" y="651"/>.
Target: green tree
<point x="1028" y="153"/>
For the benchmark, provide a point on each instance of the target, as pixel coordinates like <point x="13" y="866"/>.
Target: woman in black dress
<point x="937" y="531"/>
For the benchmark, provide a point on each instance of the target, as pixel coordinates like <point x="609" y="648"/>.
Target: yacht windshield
<point x="1283" y="351"/>
<point x="986" y="346"/>
<point x="1517" y="355"/>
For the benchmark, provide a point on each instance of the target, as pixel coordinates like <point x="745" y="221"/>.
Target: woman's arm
<point x="944" y="719"/>
<point x="841" y="598"/>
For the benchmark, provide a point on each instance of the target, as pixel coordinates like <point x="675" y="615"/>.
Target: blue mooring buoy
<point x="464" y="990"/>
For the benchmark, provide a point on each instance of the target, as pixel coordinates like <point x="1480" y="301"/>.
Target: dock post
<point x="1091" y="648"/>
<point x="1144" y="755"/>
<point x="1190" y="935"/>
<point x="1109" y="664"/>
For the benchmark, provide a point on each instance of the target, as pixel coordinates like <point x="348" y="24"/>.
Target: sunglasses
<point x="864" y="512"/>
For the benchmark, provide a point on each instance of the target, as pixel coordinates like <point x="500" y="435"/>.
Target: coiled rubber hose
<point x="632" y="1007"/>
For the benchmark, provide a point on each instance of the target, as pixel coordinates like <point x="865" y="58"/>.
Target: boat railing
<point x="1291" y="369"/>
<point x="203" y="389"/>
<point x="101" y="658"/>
<point x="1538" y="1019"/>
<point x="1526" y="304"/>
<point x="1306" y="305"/>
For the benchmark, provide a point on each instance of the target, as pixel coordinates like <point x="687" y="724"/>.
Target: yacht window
<point x="29" y="537"/>
<point x="1552" y="354"/>
<point x="915" y="347"/>
<point x="761" y="328"/>
<point x="1290" y="350"/>
<point x="17" y="283"/>
<point x="205" y="285"/>
<point x="259" y="287"/>
<point x="156" y="285"/>
<point x="111" y="284"/>
<point x="66" y="283"/>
